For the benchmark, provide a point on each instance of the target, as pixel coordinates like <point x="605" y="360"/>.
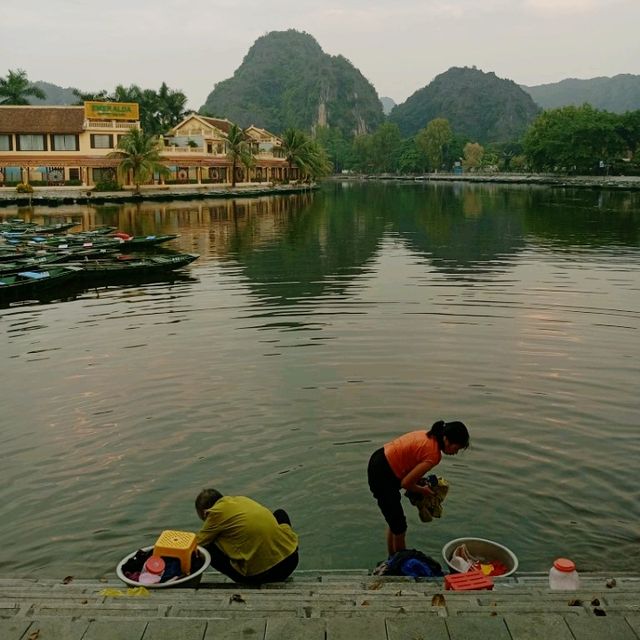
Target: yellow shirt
<point x="248" y="534"/>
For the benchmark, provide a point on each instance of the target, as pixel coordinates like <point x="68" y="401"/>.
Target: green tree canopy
<point x="433" y="140"/>
<point x="336" y="147"/>
<point x="16" y="89"/>
<point x="573" y="139"/>
<point x="386" y="147"/>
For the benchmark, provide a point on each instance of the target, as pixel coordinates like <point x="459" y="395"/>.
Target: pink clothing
<point x="406" y="452"/>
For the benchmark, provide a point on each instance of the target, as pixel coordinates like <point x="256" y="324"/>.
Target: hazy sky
<point x="399" y="45"/>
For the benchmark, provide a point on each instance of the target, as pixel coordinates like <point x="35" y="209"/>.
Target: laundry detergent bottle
<point x="563" y="575"/>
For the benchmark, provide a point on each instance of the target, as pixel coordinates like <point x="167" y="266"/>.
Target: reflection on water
<point x="312" y="329"/>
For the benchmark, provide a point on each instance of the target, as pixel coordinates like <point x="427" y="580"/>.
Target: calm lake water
<point x="313" y="329"/>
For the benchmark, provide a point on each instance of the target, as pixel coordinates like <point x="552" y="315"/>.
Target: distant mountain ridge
<point x="478" y="105"/>
<point x="272" y="91"/>
<point x="387" y="104"/>
<point x="287" y="80"/>
<point x="617" y="94"/>
<point x="55" y="94"/>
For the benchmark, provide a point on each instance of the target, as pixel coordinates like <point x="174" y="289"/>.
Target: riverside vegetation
<point x="464" y="118"/>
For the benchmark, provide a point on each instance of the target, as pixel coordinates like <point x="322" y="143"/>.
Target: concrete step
<point x="323" y="605"/>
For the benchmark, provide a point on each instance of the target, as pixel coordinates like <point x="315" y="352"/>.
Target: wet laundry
<point x="429" y="506"/>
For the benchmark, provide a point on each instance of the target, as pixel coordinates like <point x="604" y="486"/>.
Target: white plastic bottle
<point x="563" y="575"/>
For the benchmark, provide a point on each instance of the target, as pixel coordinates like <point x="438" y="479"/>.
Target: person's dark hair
<point x="205" y="500"/>
<point x="456" y="432"/>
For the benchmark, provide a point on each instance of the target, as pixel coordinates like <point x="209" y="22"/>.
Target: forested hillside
<point x="618" y="94"/>
<point x="55" y="94"/>
<point x="286" y="80"/>
<point x="479" y="106"/>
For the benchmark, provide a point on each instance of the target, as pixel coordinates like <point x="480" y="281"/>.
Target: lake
<point x="312" y="329"/>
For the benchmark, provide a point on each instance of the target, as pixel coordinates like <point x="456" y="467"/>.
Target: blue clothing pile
<point x="409" y="562"/>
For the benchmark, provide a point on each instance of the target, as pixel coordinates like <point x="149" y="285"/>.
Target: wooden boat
<point x="80" y="239"/>
<point x="28" y="229"/>
<point x="9" y="252"/>
<point x="126" y="268"/>
<point x="27" y="254"/>
<point x="30" y="262"/>
<point x="133" y="242"/>
<point x="28" y="285"/>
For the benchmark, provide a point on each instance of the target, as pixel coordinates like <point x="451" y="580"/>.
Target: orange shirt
<point x="409" y="450"/>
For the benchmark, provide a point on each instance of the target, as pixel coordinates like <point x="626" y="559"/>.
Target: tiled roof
<point x="221" y="123"/>
<point x="41" y="119"/>
<point x="259" y="134"/>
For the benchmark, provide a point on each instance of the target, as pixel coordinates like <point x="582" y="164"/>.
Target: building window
<point x="5" y="143"/>
<point x="74" y="173"/>
<point x="101" y="141"/>
<point x="31" y="142"/>
<point x="64" y="142"/>
<point x="104" y="174"/>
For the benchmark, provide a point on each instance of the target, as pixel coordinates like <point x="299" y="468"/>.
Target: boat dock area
<point x="328" y="605"/>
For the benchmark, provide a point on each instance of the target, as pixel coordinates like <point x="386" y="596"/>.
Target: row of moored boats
<point x="39" y="261"/>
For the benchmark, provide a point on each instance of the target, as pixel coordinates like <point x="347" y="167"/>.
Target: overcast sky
<point x="399" y="45"/>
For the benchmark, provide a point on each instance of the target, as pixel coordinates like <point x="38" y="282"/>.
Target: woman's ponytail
<point x="437" y="432"/>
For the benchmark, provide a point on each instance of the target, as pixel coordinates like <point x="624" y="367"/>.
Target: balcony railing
<point x="110" y="124"/>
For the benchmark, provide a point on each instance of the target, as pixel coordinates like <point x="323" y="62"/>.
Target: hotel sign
<point x="111" y="110"/>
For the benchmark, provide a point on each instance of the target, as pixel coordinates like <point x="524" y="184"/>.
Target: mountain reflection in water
<point x="312" y="329"/>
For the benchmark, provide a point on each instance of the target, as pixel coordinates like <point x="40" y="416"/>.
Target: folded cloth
<point x="429" y="506"/>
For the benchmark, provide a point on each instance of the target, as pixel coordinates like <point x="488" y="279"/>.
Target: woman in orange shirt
<point x="401" y="463"/>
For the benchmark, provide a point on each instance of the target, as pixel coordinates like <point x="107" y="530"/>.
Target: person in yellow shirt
<point x="247" y="542"/>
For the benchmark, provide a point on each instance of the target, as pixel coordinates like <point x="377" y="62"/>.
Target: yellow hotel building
<point x="69" y="145"/>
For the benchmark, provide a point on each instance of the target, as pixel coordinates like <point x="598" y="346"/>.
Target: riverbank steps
<point x="326" y="605"/>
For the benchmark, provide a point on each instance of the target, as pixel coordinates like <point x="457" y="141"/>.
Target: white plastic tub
<point x="488" y="550"/>
<point x="192" y="580"/>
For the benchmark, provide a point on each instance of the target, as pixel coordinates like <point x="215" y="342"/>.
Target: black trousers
<point x="386" y="487"/>
<point x="277" y="573"/>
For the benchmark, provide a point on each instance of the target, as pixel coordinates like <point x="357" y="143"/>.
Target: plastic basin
<point x="192" y="580"/>
<point x="487" y="550"/>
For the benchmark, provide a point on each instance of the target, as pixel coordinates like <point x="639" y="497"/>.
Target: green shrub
<point x="107" y="185"/>
<point x="24" y="187"/>
<point x="72" y="183"/>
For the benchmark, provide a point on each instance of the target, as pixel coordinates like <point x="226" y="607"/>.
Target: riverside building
<point x="51" y="146"/>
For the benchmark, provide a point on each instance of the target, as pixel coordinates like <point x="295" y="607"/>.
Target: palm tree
<point x="139" y="154"/>
<point x="16" y="88"/>
<point x="98" y="96"/>
<point x="238" y="151"/>
<point x="172" y="106"/>
<point x="305" y="153"/>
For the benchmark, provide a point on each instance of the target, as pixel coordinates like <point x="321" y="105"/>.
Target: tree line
<point x="568" y="140"/>
<point x="571" y="140"/>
